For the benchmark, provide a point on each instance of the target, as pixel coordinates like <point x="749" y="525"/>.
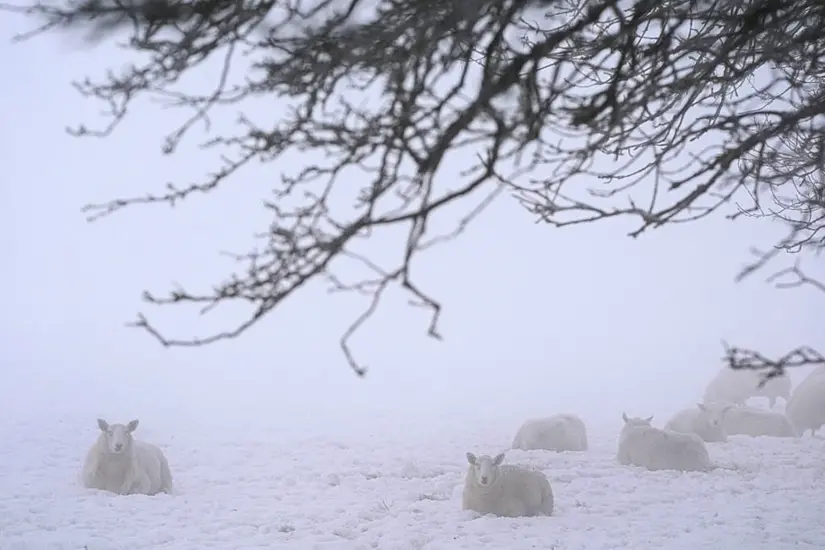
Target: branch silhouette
<point x="660" y="112"/>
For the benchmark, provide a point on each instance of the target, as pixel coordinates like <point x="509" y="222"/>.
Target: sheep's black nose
<point x="484" y="479"/>
<point x="118" y="446"/>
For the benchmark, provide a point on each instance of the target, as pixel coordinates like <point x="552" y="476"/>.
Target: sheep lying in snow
<point x="757" y="422"/>
<point x="562" y="432"/>
<point x="737" y="386"/>
<point x="505" y="490"/>
<point x="119" y="463"/>
<point x="706" y="421"/>
<point x="640" y="444"/>
<point x="806" y="409"/>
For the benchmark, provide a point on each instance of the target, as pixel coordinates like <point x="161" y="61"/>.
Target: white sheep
<point x="706" y="421"/>
<point x="729" y="386"/>
<point x="505" y="490"/>
<point x="778" y="386"/>
<point x="640" y="444"/>
<point x="757" y="422"/>
<point x="119" y="463"/>
<point x="815" y="374"/>
<point x="738" y="385"/>
<point x="806" y="409"/>
<point x="562" y="432"/>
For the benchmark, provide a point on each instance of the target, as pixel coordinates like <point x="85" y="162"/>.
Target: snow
<point x="346" y="480"/>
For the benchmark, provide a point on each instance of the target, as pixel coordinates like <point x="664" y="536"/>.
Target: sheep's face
<point x="637" y="422"/>
<point x="485" y="468"/>
<point x="118" y="436"/>
<point x="713" y="416"/>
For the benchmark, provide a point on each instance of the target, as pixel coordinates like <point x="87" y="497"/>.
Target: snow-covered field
<point x="357" y="481"/>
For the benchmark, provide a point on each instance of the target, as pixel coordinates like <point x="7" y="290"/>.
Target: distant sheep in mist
<point x="806" y="409"/>
<point x="706" y="421"/>
<point x="754" y="422"/>
<point x="816" y="374"/>
<point x="640" y="444"/>
<point x="729" y="386"/>
<point x="562" y="432"/>
<point x="737" y="386"/>
<point x="119" y="463"/>
<point x="776" y="387"/>
<point x="505" y="490"/>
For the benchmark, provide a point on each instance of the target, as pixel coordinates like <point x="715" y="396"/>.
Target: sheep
<point x="815" y="374"/>
<point x="562" y="432"/>
<point x="778" y="386"/>
<point x="505" y="490"/>
<point x="119" y="463"/>
<point x="640" y="444"/>
<point x="737" y="386"/>
<point x="706" y="421"/>
<point x="729" y="386"/>
<point x="806" y="409"/>
<point x="757" y="422"/>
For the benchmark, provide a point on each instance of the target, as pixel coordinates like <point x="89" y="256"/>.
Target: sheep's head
<point x="710" y="424"/>
<point x="118" y="436"/>
<point x="713" y="414"/>
<point x="636" y="422"/>
<point x="485" y="468"/>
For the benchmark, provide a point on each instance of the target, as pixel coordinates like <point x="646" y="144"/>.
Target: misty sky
<point x="536" y="321"/>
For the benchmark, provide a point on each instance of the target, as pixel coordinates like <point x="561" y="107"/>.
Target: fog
<point x="536" y="320"/>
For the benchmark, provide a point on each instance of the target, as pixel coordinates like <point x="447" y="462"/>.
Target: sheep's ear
<point x="471" y="458"/>
<point x="625" y="418"/>
<point x="649" y="418"/>
<point x="701" y="407"/>
<point x="498" y="459"/>
<point x="132" y="426"/>
<point x="102" y="424"/>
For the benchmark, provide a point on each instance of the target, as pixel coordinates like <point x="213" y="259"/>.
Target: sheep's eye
<point x="110" y="432"/>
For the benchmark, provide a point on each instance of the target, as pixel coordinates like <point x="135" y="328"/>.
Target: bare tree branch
<point x="661" y="111"/>
<point x="745" y="359"/>
<point x="797" y="279"/>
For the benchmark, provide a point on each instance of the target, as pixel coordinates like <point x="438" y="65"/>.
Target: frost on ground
<point x="376" y="483"/>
